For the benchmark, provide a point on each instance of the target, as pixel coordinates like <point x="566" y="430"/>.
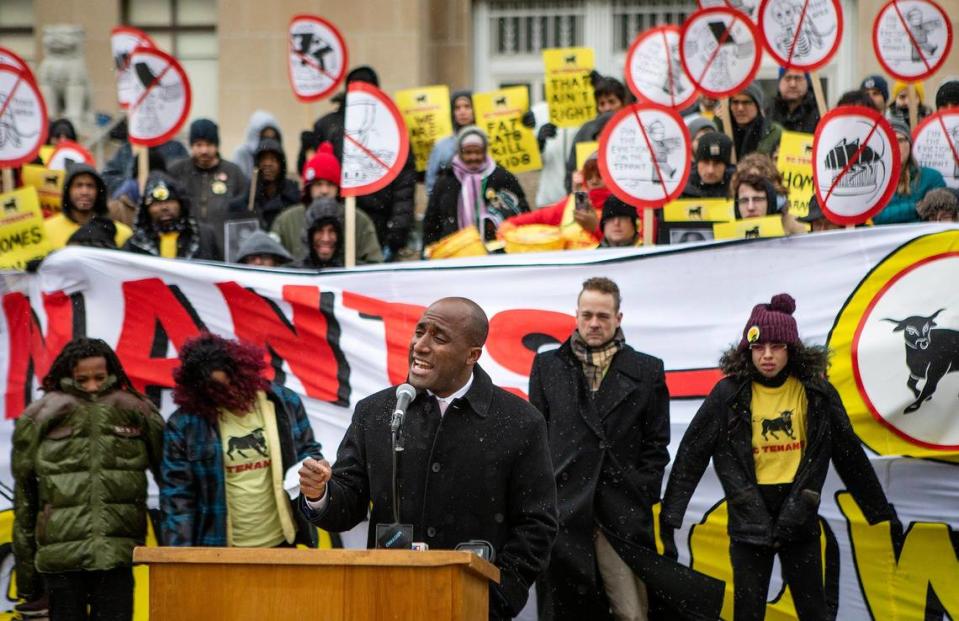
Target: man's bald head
<point x="469" y="315"/>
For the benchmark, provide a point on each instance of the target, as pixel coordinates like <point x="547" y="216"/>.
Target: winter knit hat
<point x="948" y="94"/>
<point x="772" y="323"/>
<point x="877" y="82"/>
<point x="698" y="124"/>
<point x="898" y="87"/>
<point x="615" y="208"/>
<point x="363" y="73"/>
<point x="901" y="127"/>
<point x="715" y="147"/>
<point x="323" y="165"/>
<point x="469" y="135"/>
<point x="204" y="129"/>
<point x="261" y="242"/>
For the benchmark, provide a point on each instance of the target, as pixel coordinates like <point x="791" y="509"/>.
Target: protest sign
<point x="9" y="57"/>
<point x="583" y="151"/>
<point x="699" y="210"/>
<point x="317" y="57"/>
<point x="49" y="185"/>
<point x="654" y="70"/>
<point x="500" y="115"/>
<point x="801" y="34"/>
<point x="569" y="92"/>
<point x="855" y="164"/>
<point x="123" y="40"/>
<point x="68" y="152"/>
<point x="160" y="95"/>
<point x="644" y="155"/>
<point x="23" y="117"/>
<point x="720" y="51"/>
<point x="427" y="114"/>
<point x="750" y="8"/>
<point x="22" y="237"/>
<point x="375" y="141"/>
<point x="935" y="144"/>
<point x="749" y="228"/>
<point x="795" y="165"/>
<point x="911" y="38"/>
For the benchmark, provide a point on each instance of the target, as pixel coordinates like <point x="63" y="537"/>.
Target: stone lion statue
<point x="63" y="76"/>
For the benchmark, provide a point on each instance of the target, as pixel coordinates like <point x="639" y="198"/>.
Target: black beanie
<point x="714" y="146"/>
<point x="363" y="73"/>
<point x="615" y="208"/>
<point x="948" y="94"/>
<point x="204" y="129"/>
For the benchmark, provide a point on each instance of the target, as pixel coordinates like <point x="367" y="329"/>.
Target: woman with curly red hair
<point x="227" y="449"/>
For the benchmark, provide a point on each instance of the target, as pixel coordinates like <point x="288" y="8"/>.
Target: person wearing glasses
<point x="752" y="130"/>
<point x="771" y="427"/>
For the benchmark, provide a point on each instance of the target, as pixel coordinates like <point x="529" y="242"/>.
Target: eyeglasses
<point x="742" y="103"/>
<point x="774" y="347"/>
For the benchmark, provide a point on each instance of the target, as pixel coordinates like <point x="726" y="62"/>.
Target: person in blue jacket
<point x="914" y="182"/>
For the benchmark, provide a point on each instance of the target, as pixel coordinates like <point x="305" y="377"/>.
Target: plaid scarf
<point x="596" y="360"/>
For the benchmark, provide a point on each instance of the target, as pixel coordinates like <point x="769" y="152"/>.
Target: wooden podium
<point x="315" y="585"/>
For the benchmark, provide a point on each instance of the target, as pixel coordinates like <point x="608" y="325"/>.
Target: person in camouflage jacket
<point x="80" y="456"/>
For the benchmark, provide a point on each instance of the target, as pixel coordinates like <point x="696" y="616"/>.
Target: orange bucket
<point x="534" y="238"/>
<point x="463" y="243"/>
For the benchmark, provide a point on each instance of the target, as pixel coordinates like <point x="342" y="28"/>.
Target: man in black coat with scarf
<point x="607" y="410"/>
<point x="475" y="464"/>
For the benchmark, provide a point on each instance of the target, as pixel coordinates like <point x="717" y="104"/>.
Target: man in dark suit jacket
<point x="475" y="465"/>
<point x="607" y="410"/>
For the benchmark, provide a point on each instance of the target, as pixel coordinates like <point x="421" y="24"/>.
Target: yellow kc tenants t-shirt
<point x="779" y="430"/>
<point x="253" y="516"/>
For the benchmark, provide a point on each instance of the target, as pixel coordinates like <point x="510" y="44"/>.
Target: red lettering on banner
<point x="304" y="344"/>
<point x="399" y="320"/>
<point x="515" y="335"/>
<point x="155" y="315"/>
<point x="30" y="352"/>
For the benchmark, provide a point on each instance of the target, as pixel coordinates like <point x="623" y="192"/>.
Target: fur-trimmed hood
<point x="806" y="362"/>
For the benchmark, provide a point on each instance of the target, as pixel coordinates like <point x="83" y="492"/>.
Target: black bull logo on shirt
<point x="783" y="423"/>
<point x="930" y="355"/>
<point x="254" y="440"/>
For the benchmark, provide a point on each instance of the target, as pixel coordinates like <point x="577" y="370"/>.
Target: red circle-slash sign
<point x="644" y="154"/>
<point x="935" y="144"/>
<point x="654" y="73"/>
<point x="9" y="57"/>
<point x="911" y="38"/>
<point x="720" y="51"/>
<point x="375" y="141"/>
<point x="68" y="151"/>
<point x="23" y="117"/>
<point x="801" y="34"/>
<point x="161" y="97"/>
<point x="317" y="57"/>
<point x="856" y="164"/>
<point x="123" y="40"/>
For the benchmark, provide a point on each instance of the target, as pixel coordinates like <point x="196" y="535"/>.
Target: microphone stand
<point x="397" y="443"/>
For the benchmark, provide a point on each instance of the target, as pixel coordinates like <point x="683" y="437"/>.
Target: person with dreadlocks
<point x="227" y="449"/>
<point x="771" y="427"/>
<point x="80" y="455"/>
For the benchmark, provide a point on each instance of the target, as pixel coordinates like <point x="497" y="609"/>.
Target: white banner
<point x="884" y="299"/>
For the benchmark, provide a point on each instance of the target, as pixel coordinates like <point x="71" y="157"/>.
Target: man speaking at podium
<point x="475" y="463"/>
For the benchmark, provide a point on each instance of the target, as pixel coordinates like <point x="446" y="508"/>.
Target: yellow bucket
<point x="534" y="238"/>
<point x="463" y="243"/>
<point x="578" y="239"/>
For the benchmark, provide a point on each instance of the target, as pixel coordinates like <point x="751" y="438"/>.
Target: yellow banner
<point x="569" y="92"/>
<point x="583" y="151"/>
<point x="426" y="111"/>
<point x="699" y="210"/>
<point x="512" y="144"/>
<point x="22" y="237"/>
<point x="795" y="165"/>
<point x="49" y="185"/>
<point x="750" y="228"/>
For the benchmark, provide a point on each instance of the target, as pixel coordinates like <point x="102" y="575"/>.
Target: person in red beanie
<point x="771" y="427"/>
<point x="321" y="180"/>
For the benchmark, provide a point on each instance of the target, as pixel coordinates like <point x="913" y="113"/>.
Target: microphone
<point x="404" y="394"/>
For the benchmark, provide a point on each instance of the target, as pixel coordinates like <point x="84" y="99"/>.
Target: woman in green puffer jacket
<point x="80" y="456"/>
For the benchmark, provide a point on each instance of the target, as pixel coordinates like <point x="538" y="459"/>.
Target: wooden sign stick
<point x="913" y="105"/>
<point x="648" y="224"/>
<point x="143" y="167"/>
<point x="817" y="91"/>
<point x="727" y="120"/>
<point x="8" y="180"/>
<point x="350" y="226"/>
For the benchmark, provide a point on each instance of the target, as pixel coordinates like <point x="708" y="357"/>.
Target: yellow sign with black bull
<point x="569" y="91"/>
<point x="426" y="111"/>
<point x="22" y="237"/>
<point x="699" y="210"/>
<point x="49" y="185"/>
<point x="750" y="228"/>
<point x="795" y="165"/>
<point x="511" y="144"/>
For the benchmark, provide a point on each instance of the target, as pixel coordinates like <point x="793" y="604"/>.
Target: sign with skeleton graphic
<point x="317" y="57"/>
<point x="654" y="70"/>
<point x="644" y="154"/>
<point x="801" y="34"/>
<point x="719" y="51"/>
<point x="161" y="97"/>
<point x="855" y="164"/>
<point x="936" y="145"/>
<point x="123" y="40"/>
<point x="23" y="117"/>
<point x="375" y="142"/>
<point x="911" y="38"/>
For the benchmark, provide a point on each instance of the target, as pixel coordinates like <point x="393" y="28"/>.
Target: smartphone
<point x="582" y="201"/>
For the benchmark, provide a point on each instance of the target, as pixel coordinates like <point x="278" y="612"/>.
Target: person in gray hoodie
<point x="263" y="250"/>
<point x="262" y="125"/>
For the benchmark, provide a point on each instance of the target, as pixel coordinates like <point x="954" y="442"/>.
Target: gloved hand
<point x="594" y="77"/>
<point x="668" y="536"/>
<point x="529" y="119"/>
<point x="546" y="132"/>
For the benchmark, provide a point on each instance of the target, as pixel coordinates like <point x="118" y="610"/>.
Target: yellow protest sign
<point x="49" y="185"/>
<point x="795" y="165"/>
<point x="699" y="210"/>
<point x="569" y="92"/>
<point x="22" y="236"/>
<point x="750" y="228"/>
<point x="499" y="114"/>
<point x="583" y="151"/>
<point x="426" y="111"/>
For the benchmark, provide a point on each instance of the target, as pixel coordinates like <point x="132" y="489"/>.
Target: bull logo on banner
<point x="930" y="354"/>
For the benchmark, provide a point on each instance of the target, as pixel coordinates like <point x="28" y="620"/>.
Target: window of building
<point x="16" y="29"/>
<point x="630" y="18"/>
<point x="527" y="27"/>
<point x="187" y="30"/>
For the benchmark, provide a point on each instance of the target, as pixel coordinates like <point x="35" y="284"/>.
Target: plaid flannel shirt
<point x="193" y="486"/>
